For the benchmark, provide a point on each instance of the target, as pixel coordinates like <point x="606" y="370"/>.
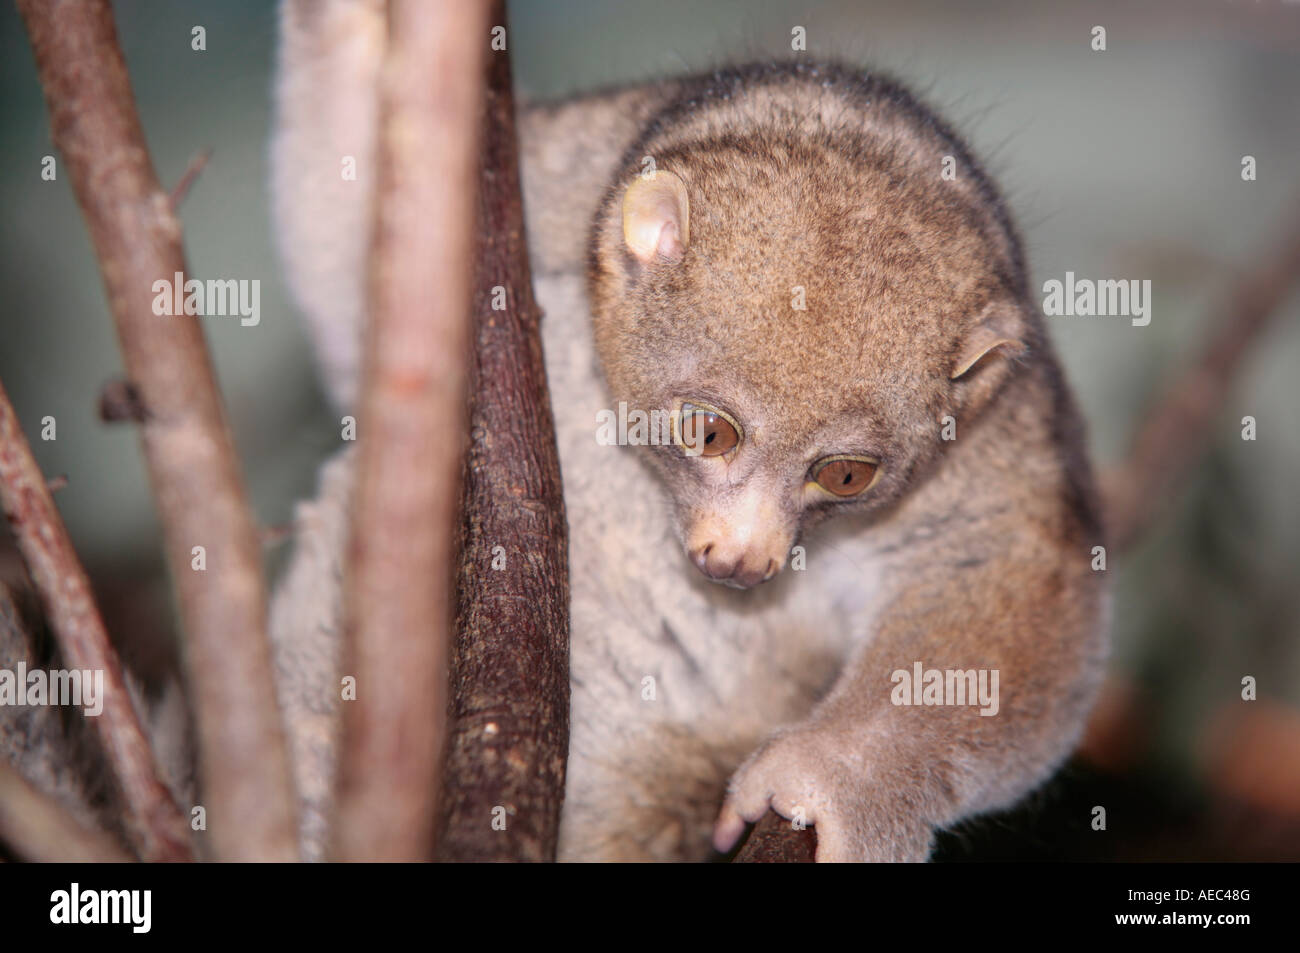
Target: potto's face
<point x="802" y="340"/>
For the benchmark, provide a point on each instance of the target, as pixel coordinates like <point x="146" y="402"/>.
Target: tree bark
<point x="774" y="841"/>
<point x="510" y="700"/>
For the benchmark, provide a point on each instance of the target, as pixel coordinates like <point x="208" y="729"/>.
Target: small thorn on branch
<point x="119" y="400"/>
<point x="275" y="535"/>
<point x="182" y="188"/>
<point x="56" y="483"/>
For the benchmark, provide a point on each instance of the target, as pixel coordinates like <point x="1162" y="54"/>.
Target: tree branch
<point x="510" y="696"/>
<point x="1177" y="430"/>
<point x="411" y="425"/>
<point x="38" y="829"/>
<point x="774" y="841"/>
<point x="188" y="448"/>
<point x="152" y="820"/>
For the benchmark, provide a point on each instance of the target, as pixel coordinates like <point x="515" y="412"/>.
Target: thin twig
<point x="188" y="448"/>
<point x="275" y="535"/>
<point x="152" y="820"/>
<point x="397" y="602"/>
<point x="182" y="188"/>
<point x="1177" y="430"/>
<point x="510" y="671"/>
<point x="38" y="829"/>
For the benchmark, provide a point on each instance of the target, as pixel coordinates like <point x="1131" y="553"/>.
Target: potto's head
<point x="808" y="315"/>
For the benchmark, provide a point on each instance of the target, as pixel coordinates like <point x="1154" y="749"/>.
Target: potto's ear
<point x="656" y="217"/>
<point x="998" y="329"/>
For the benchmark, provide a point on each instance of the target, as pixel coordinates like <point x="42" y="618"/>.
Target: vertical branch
<point x="153" y="822"/>
<point x="397" y="609"/>
<point x="188" y="448"/>
<point x="510" y="694"/>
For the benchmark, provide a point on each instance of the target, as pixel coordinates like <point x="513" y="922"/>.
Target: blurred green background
<point x="1124" y="164"/>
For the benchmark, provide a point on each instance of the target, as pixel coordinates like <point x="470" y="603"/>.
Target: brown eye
<point x="846" y="476"/>
<point x="705" y="433"/>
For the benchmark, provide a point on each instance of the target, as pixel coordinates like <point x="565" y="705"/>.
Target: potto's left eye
<point x="847" y="476"/>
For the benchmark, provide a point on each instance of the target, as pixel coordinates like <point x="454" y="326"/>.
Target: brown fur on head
<point x="765" y="183"/>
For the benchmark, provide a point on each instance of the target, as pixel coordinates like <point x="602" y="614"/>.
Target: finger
<point x="727" y="829"/>
<point x="838" y="842"/>
<point x="750" y="795"/>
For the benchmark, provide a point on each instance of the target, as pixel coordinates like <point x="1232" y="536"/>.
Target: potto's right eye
<point x="706" y="433"/>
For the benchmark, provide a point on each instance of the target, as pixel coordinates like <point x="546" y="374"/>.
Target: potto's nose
<point x="734" y="567"/>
